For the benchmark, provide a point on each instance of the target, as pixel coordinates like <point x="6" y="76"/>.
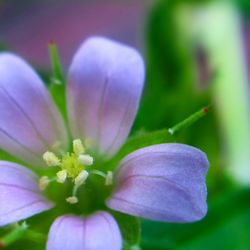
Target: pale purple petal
<point x="30" y="124"/>
<point x="105" y="85"/>
<point x="97" y="232"/>
<point x="164" y="182"/>
<point x="19" y="194"/>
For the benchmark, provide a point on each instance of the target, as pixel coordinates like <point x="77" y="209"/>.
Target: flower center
<point x="74" y="166"/>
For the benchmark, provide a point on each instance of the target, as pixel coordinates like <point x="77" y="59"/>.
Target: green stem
<point x="35" y="236"/>
<point x="189" y="121"/>
<point x="19" y="232"/>
<point x="16" y="234"/>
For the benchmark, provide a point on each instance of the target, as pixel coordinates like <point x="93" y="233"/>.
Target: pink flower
<point x="164" y="182"/>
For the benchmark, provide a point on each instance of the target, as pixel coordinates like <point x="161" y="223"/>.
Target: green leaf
<point x="130" y="229"/>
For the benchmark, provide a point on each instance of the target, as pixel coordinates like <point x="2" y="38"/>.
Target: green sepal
<point x="189" y="121"/>
<point x="130" y="229"/>
<point x="57" y="82"/>
<point x="15" y="234"/>
<point x="58" y="94"/>
<point x="58" y="77"/>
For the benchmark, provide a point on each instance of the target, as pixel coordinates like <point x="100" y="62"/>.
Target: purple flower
<point x="164" y="182"/>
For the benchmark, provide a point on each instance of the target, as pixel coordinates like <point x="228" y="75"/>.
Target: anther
<point x="81" y="178"/>
<point x="78" y="147"/>
<point x="109" y="178"/>
<point x="43" y="182"/>
<point x="86" y="160"/>
<point x="61" y="176"/>
<point x="72" y="199"/>
<point x="51" y="159"/>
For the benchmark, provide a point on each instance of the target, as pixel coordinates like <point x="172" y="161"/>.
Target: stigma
<point x="73" y="166"/>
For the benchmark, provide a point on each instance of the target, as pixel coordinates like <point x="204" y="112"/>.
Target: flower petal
<point x="19" y="194"/>
<point x="97" y="232"/>
<point x="105" y="85"/>
<point x="30" y="123"/>
<point x="164" y="182"/>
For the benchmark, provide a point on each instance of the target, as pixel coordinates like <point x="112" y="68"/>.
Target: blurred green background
<point x="197" y="54"/>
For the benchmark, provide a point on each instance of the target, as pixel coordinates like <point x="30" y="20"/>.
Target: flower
<point x="164" y="182"/>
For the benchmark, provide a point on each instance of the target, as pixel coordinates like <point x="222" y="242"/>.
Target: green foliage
<point x="171" y="72"/>
<point x="225" y="227"/>
<point x="130" y="229"/>
<point x="173" y="90"/>
<point x="17" y="233"/>
<point x="244" y="7"/>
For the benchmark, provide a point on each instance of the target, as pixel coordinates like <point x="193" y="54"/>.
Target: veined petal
<point x="30" y="123"/>
<point x="19" y="194"/>
<point x="97" y="232"/>
<point x="164" y="182"/>
<point x="105" y="84"/>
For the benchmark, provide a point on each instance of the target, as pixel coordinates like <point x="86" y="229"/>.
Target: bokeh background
<point x="197" y="54"/>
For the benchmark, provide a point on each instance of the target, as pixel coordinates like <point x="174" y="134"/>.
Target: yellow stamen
<point x="78" y="147"/>
<point x="72" y="199"/>
<point x="81" y="178"/>
<point x="43" y="183"/>
<point x="51" y="159"/>
<point x="72" y="166"/>
<point x="85" y="159"/>
<point x="61" y="176"/>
